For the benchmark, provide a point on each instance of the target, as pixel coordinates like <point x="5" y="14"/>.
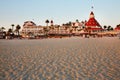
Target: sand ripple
<point x="60" y="59"/>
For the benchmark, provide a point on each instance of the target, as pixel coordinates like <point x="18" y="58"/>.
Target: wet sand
<point x="60" y="59"/>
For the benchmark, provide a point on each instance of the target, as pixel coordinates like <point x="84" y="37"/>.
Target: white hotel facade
<point x="30" y="28"/>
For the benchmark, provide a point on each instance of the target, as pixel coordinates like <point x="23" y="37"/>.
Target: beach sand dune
<point x="60" y="59"/>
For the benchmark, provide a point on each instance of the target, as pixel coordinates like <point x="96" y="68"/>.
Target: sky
<point x="60" y="11"/>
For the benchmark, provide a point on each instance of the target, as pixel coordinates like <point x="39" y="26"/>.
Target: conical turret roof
<point x="92" y="22"/>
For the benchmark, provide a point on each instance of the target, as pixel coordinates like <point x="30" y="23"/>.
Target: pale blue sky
<point x="106" y="12"/>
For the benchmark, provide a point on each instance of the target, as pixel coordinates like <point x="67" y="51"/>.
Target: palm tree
<point x="70" y="23"/>
<point x="18" y="27"/>
<point x="2" y="29"/>
<point x="77" y="20"/>
<point x="105" y="27"/>
<point x="108" y="28"/>
<point x="12" y="26"/>
<point x="47" y="21"/>
<point x="9" y="33"/>
<point x="9" y="30"/>
<point x="111" y="29"/>
<point x="51" y="22"/>
<point x="118" y="26"/>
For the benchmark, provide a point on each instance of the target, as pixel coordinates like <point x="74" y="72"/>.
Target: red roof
<point x="117" y="28"/>
<point x="92" y="21"/>
<point x="91" y="13"/>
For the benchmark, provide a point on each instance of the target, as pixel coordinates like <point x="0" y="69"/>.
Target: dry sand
<point x="60" y="59"/>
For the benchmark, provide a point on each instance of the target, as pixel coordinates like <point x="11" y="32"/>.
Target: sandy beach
<point x="60" y="59"/>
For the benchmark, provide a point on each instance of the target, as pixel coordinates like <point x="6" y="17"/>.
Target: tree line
<point x="11" y="32"/>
